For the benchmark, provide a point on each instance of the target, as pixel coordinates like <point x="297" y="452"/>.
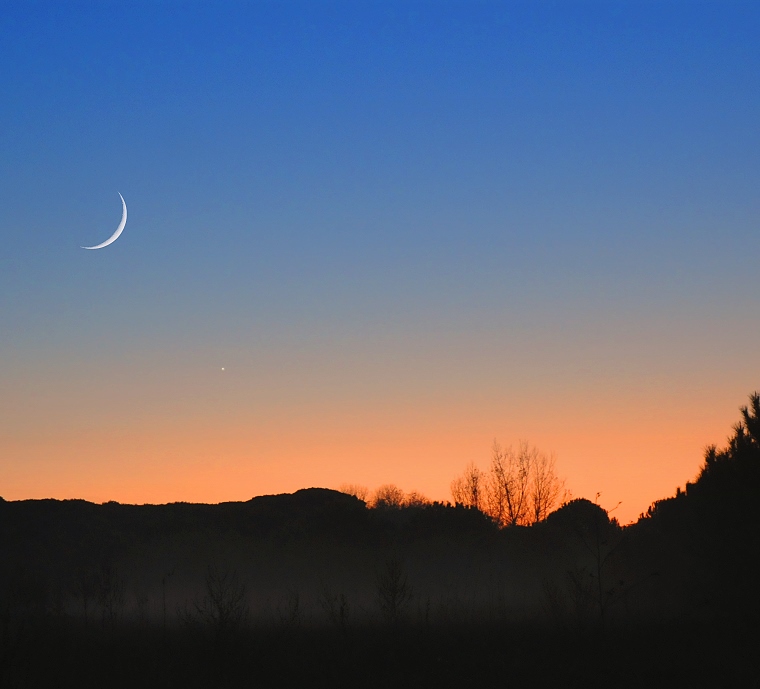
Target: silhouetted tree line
<point x="708" y="535"/>
<point x="335" y="588"/>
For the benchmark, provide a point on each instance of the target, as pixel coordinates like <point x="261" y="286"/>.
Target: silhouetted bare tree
<point x="86" y="588"/>
<point x="469" y="488"/>
<point x="509" y="483"/>
<point x="415" y="499"/>
<point x="164" y="580"/>
<point x="358" y="491"/>
<point x="110" y="592"/>
<point x="393" y="590"/>
<point x="388" y="496"/>
<point x="521" y="486"/>
<point x="224" y="608"/>
<point x="594" y="583"/>
<point x="546" y="487"/>
<point x="336" y="607"/>
<point x="290" y="611"/>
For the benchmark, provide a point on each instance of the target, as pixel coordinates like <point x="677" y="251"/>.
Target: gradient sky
<point x="404" y="229"/>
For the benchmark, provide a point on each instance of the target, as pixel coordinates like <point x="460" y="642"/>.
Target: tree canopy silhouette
<point x="708" y="534"/>
<point x="727" y="485"/>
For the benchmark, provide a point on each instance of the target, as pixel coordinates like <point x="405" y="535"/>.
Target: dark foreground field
<point x="664" y="655"/>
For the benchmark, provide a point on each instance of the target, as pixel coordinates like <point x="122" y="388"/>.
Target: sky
<point x="366" y="239"/>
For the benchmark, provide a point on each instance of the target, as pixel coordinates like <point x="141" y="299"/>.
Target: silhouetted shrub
<point x="579" y="514"/>
<point x="223" y="610"/>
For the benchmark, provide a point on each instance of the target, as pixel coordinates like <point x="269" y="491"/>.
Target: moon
<point x="119" y="229"/>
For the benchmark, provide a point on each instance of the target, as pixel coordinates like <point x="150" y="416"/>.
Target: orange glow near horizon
<point x="633" y="450"/>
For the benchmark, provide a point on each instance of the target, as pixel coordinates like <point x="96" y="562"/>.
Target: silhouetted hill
<point x="70" y="525"/>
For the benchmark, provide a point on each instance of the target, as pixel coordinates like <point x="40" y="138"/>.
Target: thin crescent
<point x="119" y="229"/>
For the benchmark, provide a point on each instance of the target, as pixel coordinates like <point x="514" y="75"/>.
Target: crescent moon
<point x="119" y="229"/>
